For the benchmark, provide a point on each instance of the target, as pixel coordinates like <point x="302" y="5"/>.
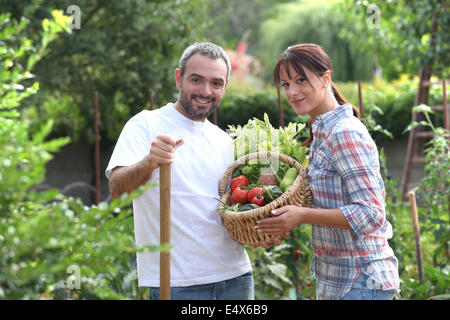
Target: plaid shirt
<point x="344" y="173"/>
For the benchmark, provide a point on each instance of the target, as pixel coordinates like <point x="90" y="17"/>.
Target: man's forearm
<point x="127" y="179"/>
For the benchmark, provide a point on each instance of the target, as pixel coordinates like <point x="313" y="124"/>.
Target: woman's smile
<point x="298" y="102"/>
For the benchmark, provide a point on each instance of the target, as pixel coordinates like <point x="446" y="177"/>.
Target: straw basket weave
<point x="241" y="225"/>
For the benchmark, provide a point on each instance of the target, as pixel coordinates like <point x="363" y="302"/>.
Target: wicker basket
<point x="241" y="225"/>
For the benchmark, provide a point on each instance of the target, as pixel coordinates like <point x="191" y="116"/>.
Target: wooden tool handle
<point x="164" y="196"/>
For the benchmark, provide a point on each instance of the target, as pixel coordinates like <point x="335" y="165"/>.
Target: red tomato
<point x="258" y="200"/>
<point x="297" y="253"/>
<point x="238" y="182"/>
<point x="255" y="191"/>
<point x="239" y="195"/>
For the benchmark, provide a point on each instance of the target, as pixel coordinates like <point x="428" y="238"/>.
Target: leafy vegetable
<point x="270" y="193"/>
<point x="248" y="206"/>
<point x="238" y="207"/>
<point x="260" y="136"/>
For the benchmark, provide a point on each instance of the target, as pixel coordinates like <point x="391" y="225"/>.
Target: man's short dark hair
<point x="206" y="49"/>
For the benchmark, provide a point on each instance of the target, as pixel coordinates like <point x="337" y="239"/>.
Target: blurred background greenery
<point x="48" y="75"/>
<point x="123" y="49"/>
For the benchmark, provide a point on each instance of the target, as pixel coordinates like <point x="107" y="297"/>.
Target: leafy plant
<point x="260" y="136"/>
<point x="435" y="187"/>
<point x="270" y="272"/>
<point x="417" y="31"/>
<point x="52" y="246"/>
<point x="22" y="159"/>
<point x="434" y="217"/>
<point x="121" y="50"/>
<point x="47" y="235"/>
<point x="313" y="22"/>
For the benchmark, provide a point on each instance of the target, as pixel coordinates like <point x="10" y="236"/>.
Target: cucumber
<point x="288" y="179"/>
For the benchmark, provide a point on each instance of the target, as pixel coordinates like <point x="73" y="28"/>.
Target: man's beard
<point x="198" y="114"/>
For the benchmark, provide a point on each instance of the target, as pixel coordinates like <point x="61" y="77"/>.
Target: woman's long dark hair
<point x="315" y="59"/>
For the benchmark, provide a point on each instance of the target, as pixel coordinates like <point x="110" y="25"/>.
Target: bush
<point x="242" y="103"/>
<point x="387" y="106"/>
<point x="52" y="246"/>
<point x="390" y="103"/>
<point x="318" y="22"/>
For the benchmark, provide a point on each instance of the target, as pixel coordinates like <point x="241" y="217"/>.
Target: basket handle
<point x="255" y="155"/>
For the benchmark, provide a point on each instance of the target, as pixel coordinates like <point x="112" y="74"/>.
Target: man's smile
<point x="203" y="101"/>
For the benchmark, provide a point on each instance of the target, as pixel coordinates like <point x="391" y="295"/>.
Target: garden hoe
<point x="164" y="198"/>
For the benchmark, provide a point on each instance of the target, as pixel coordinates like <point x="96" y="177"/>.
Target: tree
<point x="122" y="49"/>
<point x="52" y="246"/>
<point x="405" y="35"/>
<point x="241" y="20"/>
<point x="318" y="22"/>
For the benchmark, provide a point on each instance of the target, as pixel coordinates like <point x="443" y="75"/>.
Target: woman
<point x="352" y="258"/>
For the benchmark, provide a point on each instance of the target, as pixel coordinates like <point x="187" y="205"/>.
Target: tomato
<point x="238" y="182"/>
<point x="239" y="195"/>
<point x="297" y="253"/>
<point x="255" y="191"/>
<point x="258" y="200"/>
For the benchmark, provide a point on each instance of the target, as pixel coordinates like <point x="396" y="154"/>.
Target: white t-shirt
<point x="203" y="251"/>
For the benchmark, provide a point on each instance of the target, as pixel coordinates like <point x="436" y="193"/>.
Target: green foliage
<point x="23" y="159"/>
<point x="417" y="31"/>
<point x="62" y="109"/>
<point x="435" y="190"/>
<point x="47" y="235"/>
<point x="52" y="246"/>
<point x="389" y="104"/>
<point x="242" y="103"/>
<point x="312" y="22"/>
<point x="270" y="272"/>
<point x="258" y="135"/>
<point x="404" y="247"/>
<point x="240" y="21"/>
<point x="435" y="186"/>
<point x="436" y="183"/>
<point x="121" y="50"/>
<point x="435" y="287"/>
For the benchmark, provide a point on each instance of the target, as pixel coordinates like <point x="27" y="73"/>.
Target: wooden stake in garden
<point x="361" y="104"/>
<point x="97" y="149"/>
<point x="415" y="221"/>
<point x="280" y="107"/>
<point x="164" y="264"/>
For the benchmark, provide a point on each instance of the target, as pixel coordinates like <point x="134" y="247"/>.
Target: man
<point x="205" y="262"/>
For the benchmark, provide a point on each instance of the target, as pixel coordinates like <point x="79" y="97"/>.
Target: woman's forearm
<point x="288" y="217"/>
<point x="325" y="217"/>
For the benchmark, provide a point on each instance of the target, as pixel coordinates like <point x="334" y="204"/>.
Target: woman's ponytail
<point x="341" y="100"/>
